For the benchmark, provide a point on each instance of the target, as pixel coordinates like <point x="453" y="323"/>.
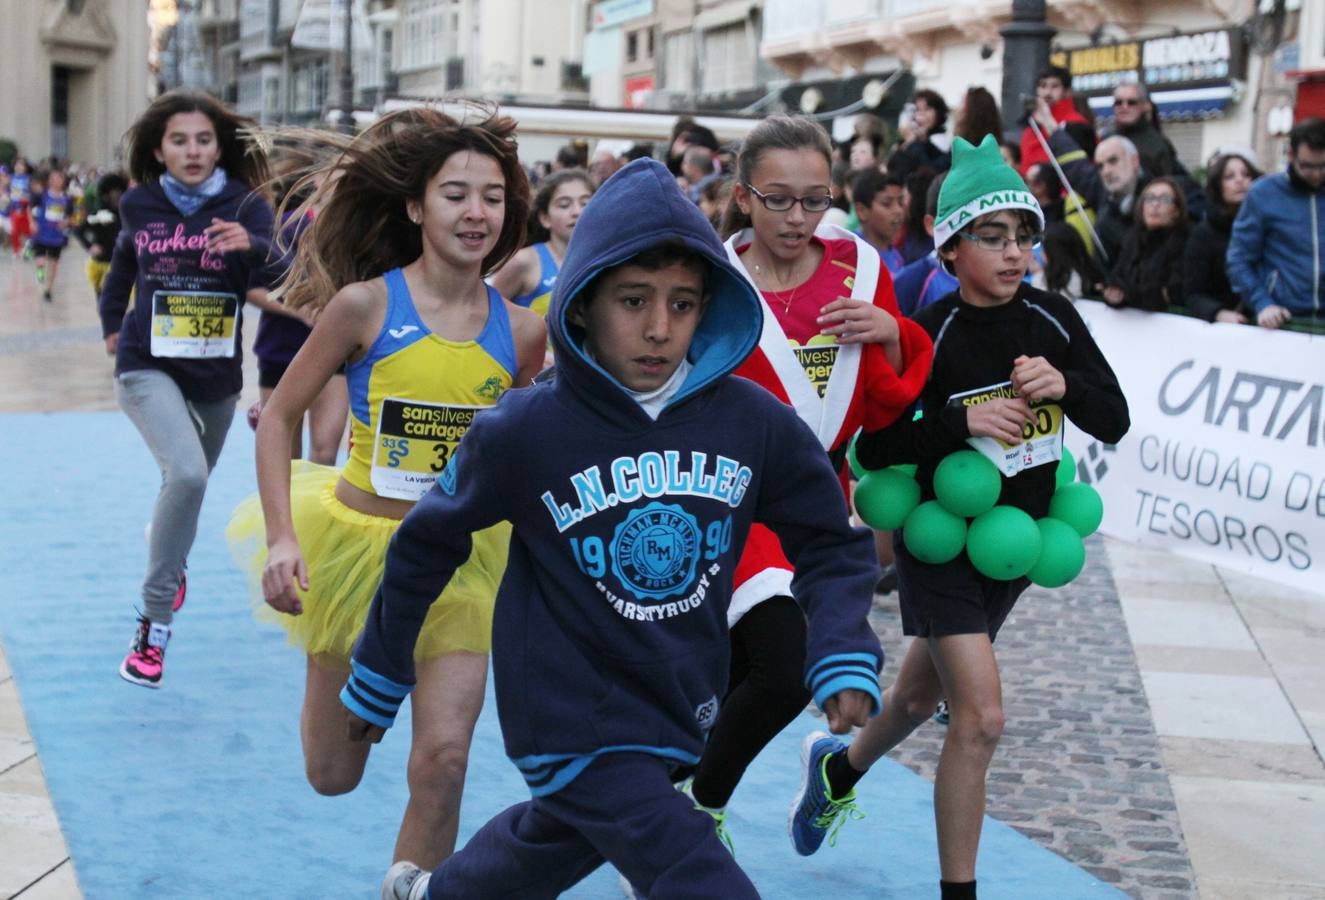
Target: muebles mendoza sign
<point x="1225" y="460"/>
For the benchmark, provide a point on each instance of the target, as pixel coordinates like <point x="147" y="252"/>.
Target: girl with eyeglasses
<point x="835" y="347"/>
<point x="1149" y="270"/>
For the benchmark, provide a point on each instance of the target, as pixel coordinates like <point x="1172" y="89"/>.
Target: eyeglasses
<point x="1157" y="200"/>
<point x="1308" y="167"/>
<point x="783" y="202"/>
<point x="997" y="243"/>
<point x="1126" y="101"/>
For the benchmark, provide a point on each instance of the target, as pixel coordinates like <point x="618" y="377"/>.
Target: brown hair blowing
<point x="242" y="152"/>
<point x="778" y="132"/>
<point x="361" y="229"/>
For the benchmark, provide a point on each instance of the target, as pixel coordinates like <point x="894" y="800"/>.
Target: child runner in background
<point x="630" y="480"/>
<point x="832" y="346"/>
<point x="527" y="279"/>
<point x="880" y="202"/>
<point x="101" y="228"/>
<point x="282" y="331"/>
<point x="413" y="213"/>
<point x="993" y="330"/>
<point x="6" y="198"/>
<point x="51" y="212"/>
<point x="20" y="226"/>
<point x="920" y="283"/>
<point x="196" y="234"/>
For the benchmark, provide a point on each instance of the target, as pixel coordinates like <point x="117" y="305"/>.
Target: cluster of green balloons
<point x="1002" y="542"/>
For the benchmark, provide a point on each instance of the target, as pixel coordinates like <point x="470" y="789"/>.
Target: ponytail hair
<point x="362" y="230"/>
<point x="773" y="133"/>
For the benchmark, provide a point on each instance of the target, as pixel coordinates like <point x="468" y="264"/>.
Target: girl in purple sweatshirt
<point x="195" y="239"/>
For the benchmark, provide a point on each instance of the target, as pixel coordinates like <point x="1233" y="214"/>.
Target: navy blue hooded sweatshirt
<point x="610" y="628"/>
<point x="162" y="254"/>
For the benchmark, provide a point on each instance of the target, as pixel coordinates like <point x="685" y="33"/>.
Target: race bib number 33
<point x="1042" y="440"/>
<point x="414" y="442"/>
<point x="194" y="324"/>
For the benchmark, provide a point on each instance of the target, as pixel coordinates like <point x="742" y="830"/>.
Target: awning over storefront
<point x="1180" y="106"/>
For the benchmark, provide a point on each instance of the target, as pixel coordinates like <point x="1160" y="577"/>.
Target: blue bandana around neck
<point x="188" y="200"/>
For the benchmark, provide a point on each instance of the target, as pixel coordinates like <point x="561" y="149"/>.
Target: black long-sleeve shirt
<point x="974" y="348"/>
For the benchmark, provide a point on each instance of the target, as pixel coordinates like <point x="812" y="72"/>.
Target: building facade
<point x="1203" y="71"/>
<point x="525" y="51"/>
<point x="677" y="54"/>
<point x="76" y="76"/>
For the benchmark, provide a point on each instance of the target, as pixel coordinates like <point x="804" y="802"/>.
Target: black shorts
<point x="952" y="598"/>
<point x="271" y="373"/>
<point x="40" y="250"/>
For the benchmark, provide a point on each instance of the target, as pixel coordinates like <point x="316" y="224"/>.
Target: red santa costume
<point x="836" y="389"/>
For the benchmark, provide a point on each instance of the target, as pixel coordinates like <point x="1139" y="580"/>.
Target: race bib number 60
<point x="194" y="324"/>
<point x="414" y="442"/>
<point x="1041" y="440"/>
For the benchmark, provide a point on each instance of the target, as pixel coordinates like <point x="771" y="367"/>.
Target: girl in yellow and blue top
<point x="528" y="278"/>
<point x="413" y="213"/>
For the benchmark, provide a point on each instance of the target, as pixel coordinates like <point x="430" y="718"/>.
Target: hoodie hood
<point x="637" y="209"/>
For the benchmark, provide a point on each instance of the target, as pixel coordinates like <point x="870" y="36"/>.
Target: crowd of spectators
<point x="1126" y="221"/>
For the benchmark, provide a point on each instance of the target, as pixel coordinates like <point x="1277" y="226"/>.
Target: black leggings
<point x="766" y="693"/>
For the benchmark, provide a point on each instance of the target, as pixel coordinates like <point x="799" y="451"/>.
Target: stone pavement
<point x="1079" y="768"/>
<point x="1164" y="718"/>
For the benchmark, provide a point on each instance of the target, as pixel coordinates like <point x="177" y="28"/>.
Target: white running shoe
<point x="405" y="881"/>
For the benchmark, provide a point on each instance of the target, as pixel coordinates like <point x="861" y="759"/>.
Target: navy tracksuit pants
<point x="622" y="809"/>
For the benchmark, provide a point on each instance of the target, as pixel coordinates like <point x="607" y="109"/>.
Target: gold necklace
<point x="780" y="296"/>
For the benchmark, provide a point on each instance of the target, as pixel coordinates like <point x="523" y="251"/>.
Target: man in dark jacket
<point x="1134" y="118"/>
<point x="1274" y="255"/>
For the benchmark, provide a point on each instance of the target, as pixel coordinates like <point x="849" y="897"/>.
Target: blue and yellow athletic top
<point x="539" y="298"/>
<point x="414" y="394"/>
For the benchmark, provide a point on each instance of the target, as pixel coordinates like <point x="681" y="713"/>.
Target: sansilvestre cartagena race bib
<point x="1041" y="443"/>
<point x="194" y="324"/>
<point x="413" y="444"/>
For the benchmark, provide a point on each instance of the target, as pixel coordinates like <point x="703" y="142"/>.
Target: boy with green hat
<point x="1000" y="347"/>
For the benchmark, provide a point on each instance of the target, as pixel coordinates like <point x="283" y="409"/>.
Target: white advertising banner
<point x="1225" y="459"/>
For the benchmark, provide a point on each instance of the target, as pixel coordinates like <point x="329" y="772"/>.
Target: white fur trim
<point x="824" y="415"/>
<point x="765" y="585"/>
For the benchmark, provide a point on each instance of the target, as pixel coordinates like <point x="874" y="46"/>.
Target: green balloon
<point x="1079" y="505"/>
<point x="1067" y="469"/>
<point x="1003" y="544"/>
<point x="884" y="498"/>
<point x="932" y="534"/>
<point x="857" y="470"/>
<point x="967" y="484"/>
<point x="907" y="468"/>
<point x="1062" y="554"/>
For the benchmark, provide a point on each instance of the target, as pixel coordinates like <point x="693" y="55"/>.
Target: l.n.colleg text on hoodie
<point x="610" y="628"/>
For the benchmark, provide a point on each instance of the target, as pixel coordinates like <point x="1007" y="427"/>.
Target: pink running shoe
<point x="252" y="415"/>
<point x="183" y="589"/>
<point x="147" y="654"/>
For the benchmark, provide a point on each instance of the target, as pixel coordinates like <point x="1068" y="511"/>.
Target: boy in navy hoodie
<point x="631" y="480"/>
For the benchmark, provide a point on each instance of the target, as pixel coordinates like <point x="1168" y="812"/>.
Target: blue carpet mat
<point x="197" y="790"/>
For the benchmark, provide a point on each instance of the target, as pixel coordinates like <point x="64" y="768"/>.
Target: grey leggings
<point x="186" y="438"/>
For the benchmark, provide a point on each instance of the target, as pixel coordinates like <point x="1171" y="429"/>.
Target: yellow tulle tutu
<point x="346" y="553"/>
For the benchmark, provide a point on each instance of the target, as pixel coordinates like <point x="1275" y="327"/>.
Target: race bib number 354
<point x="414" y="442"/>
<point x="1042" y="440"/>
<point x="194" y="324"/>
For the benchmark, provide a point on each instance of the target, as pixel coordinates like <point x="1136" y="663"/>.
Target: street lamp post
<point x="1025" y="52"/>
<point x="346" y="122"/>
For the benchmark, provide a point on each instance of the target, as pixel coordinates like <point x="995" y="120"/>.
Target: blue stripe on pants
<point x="622" y="809"/>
